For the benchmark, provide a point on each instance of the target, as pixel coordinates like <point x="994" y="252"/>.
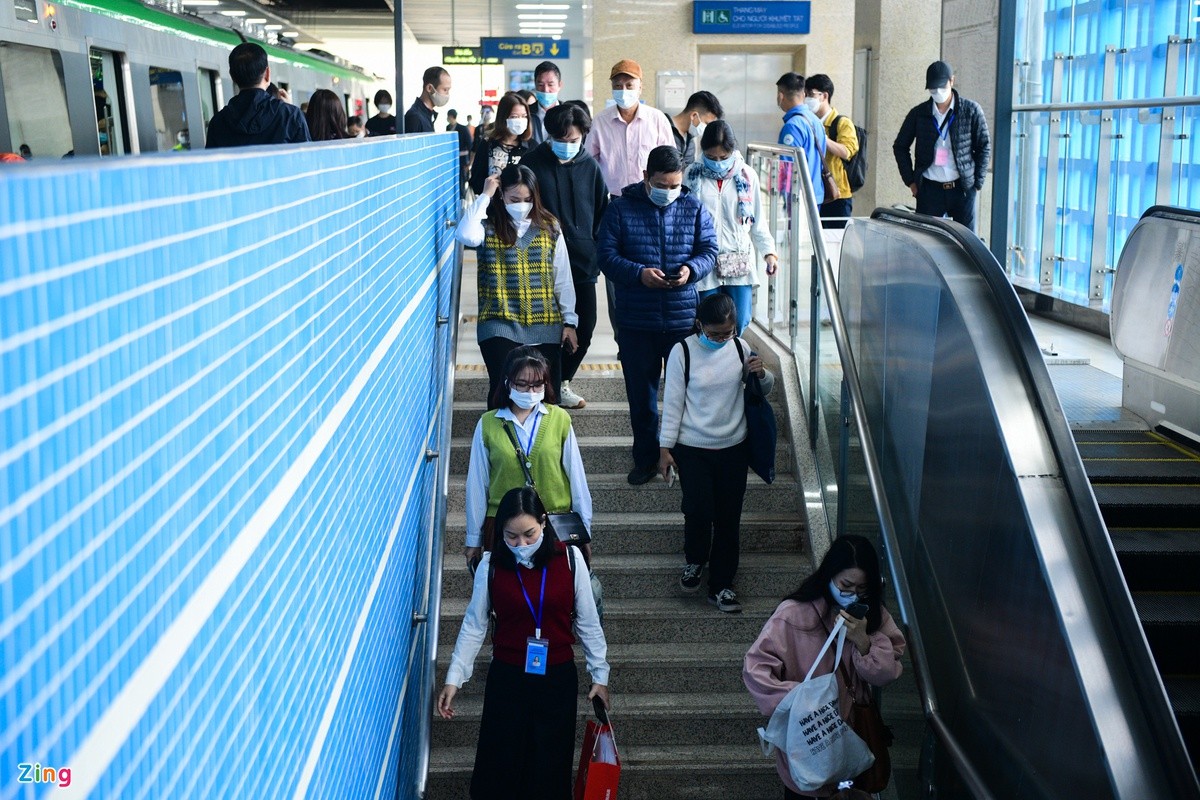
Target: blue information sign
<point x="498" y="47"/>
<point x="765" y="16"/>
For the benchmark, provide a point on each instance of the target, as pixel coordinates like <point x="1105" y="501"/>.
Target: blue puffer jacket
<point x="636" y="233"/>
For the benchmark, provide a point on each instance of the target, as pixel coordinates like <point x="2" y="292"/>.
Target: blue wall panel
<point x="217" y="390"/>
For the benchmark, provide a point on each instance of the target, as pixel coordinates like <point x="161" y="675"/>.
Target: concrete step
<point x="648" y="719"/>
<point x="593" y="385"/>
<point x="662" y="533"/>
<point x="646" y="576"/>
<point x="600" y="418"/>
<point x="660" y="619"/>
<point x="602" y="454"/>
<point x="611" y="493"/>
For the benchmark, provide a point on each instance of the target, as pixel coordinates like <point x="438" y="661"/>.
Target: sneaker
<point x="689" y="581"/>
<point x="726" y="600"/>
<point x="568" y="398"/>
<point x="639" y="475"/>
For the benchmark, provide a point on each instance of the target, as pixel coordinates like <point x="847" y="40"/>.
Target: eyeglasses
<point x="719" y="336"/>
<point x="527" y="387"/>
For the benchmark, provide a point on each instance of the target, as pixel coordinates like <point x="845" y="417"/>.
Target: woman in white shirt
<point x="542" y="599"/>
<point x="526" y="291"/>
<point x="704" y="437"/>
<point x="728" y="188"/>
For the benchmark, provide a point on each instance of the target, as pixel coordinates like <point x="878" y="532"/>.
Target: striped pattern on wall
<point x="220" y="373"/>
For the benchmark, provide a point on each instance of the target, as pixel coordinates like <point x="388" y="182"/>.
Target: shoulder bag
<point x="567" y="525"/>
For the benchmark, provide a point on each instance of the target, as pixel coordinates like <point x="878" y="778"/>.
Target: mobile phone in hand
<point x="858" y="610"/>
<point x="672" y="475"/>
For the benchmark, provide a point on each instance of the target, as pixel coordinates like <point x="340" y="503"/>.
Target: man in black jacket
<point x="253" y="116"/>
<point x="952" y="153"/>
<point x="573" y="190"/>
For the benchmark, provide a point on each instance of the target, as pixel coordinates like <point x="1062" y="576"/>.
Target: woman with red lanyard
<point x="542" y="598"/>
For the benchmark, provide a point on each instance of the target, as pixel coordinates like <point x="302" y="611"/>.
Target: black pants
<point x="611" y="294"/>
<point x="714" y="486"/>
<point x="936" y="201"/>
<point x="496" y="350"/>
<point x="643" y="354"/>
<point x="585" y="307"/>
<point x="842" y="207"/>
<point x="527" y="735"/>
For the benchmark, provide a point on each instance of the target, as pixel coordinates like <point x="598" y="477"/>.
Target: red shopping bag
<point x="599" y="763"/>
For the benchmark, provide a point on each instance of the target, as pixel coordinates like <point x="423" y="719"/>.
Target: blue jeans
<point x="643" y="354"/>
<point x="743" y="302"/>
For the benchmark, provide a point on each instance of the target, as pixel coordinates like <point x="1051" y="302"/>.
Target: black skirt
<point x="526" y="743"/>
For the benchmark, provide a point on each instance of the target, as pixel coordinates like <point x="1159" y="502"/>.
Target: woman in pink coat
<point x="792" y="637"/>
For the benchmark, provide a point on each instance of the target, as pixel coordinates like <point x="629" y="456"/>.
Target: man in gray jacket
<point x="952" y="152"/>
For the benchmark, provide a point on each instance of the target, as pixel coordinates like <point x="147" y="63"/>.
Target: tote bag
<point x="807" y="726"/>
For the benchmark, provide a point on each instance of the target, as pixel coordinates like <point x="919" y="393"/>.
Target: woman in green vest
<point x="526" y="291"/>
<point x="529" y="427"/>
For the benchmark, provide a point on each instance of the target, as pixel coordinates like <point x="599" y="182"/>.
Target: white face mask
<point x="626" y="98"/>
<point x="362" y="134"/>
<point x="843" y="599"/>
<point x="518" y="212"/>
<point x="384" y="108"/>
<point x="813" y="104"/>
<point x="940" y="95"/>
<point x="526" y="400"/>
<point x="697" y="131"/>
<point x="517" y="125"/>
<point x="524" y="553"/>
<point x="440" y="100"/>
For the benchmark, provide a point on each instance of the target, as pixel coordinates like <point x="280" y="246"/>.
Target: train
<point x="121" y="77"/>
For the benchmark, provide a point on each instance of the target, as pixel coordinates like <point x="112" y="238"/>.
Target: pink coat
<point x="790" y="640"/>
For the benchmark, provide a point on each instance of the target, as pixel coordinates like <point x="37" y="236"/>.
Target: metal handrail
<point x="430" y="616"/>
<point x="891" y="541"/>
<point x="1111" y="105"/>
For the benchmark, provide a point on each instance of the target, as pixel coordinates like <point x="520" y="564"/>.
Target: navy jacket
<point x="969" y="136"/>
<point x="254" y="117"/>
<point x="634" y="234"/>
<point x="575" y="193"/>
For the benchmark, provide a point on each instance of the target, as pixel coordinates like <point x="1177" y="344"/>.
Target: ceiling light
<point x="556" y="37"/>
<point x="234" y="13"/>
<point x="273" y="27"/>
<point x="255" y="20"/>
<point x="541" y="30"/>
<point x="541" y="16"/>
<point x="202" y="2"/>
<point x="290" y="34"/>
<point x="541" y="7"/>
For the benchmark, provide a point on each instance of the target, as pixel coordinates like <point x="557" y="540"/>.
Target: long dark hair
<point x="326" y="117"/>
<point x="504" y="110"/>
<point x="517" y="361"/>
<point x="522" y="500"/>
<point x="847" y="552"/>
<point x="502" y="224"/>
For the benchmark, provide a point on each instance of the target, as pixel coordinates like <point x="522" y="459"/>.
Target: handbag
<point x="867" y="722"/>
<point x="821" y="748"/>
<point x="733" y="265"/>
<point x="567" y="525"/>
<point x="599" y="762"/>
<point x="832" y="192"/>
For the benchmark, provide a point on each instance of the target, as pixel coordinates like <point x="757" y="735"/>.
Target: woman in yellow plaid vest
<point x="526" y="293"/>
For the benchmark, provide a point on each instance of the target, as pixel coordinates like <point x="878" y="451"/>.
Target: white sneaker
<point x="568" y="399"/>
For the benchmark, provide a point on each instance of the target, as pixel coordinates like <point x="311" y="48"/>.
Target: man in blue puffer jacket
<point x="655" y="242"/>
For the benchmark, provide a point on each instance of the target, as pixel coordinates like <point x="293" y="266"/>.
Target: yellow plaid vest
<point x="516" y="283"/>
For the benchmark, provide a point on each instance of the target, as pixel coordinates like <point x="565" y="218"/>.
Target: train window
<point x="209" y="99"/>
<point x="112" y="118"/>
<point x="170" y="114"/>
<point x="36" y="100"/>
<point x="26" y="11"/>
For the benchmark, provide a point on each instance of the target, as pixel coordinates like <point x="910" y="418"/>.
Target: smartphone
<point x="673" y="273"/>
<point x="857" y="610"/>
<point x="601" y="711"/>
<point x="672" y="475"/>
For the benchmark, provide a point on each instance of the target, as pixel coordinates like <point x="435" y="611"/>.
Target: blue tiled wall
<point x="219" y="376"/>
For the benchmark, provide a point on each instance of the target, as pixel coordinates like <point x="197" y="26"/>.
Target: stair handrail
<point x="825" y="275"/>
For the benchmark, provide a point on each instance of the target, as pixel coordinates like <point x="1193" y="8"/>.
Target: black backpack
<point x="856" y="167"/>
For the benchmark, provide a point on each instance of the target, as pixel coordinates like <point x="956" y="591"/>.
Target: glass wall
<point x="1082" y="174"/>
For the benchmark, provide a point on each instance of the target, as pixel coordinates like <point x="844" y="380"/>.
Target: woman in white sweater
<point x="704" y="438"/>
<point x="728" y="188"/>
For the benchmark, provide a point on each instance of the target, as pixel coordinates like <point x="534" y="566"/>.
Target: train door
<point x="34" y="102"/>
<point x="112" y="113"/>
<point x="210" y="95"/>
<point x="169" y="108"/>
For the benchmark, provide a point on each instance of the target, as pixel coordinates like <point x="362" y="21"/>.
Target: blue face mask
<point x="524" y="553"/>
<point x="709" y="343"/>
<point x="546" y="99"/>
<point x="843" y="599"/>
<point x="664" y="197"/>
<point x="722" y="166"/>
<point x="565" y="151"/>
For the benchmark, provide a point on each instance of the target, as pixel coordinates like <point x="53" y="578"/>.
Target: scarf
<point x="741" y="182"/>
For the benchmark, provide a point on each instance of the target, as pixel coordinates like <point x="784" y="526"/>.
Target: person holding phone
<point x="542" y="600"/>
<point x="656" y="241"/>
<point x="793" y="636"/>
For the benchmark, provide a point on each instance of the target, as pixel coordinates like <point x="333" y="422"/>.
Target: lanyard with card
<point x="537" y="649"/>
<point x="941" y="151"/>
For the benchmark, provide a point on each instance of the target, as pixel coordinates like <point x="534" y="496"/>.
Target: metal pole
<point x="398" y="5"/>
<point x="1002" y="140"/>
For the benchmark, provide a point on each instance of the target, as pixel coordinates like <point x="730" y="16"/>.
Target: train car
<point x="115" y="77"/>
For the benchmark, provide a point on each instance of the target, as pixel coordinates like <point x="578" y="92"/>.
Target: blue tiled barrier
<point x="218" y="377"/>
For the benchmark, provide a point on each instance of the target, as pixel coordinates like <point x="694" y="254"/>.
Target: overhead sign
<point x="500" y="47"/>
<point x="465" y="56"/>
<point x="766" y="16"/>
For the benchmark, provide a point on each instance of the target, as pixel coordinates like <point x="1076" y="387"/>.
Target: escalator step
<point x="1164" y="560"/>
<point x="1148" y="506"/>
<point x="1153" y="471"/>
<point x="1184" y="692"/>
<point x="1083" y="435"/>
<point x="1147" y="450"/>
<point x="1171" y="621"/>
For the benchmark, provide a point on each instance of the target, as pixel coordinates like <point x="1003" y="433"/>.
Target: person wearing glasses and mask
<point x="704" y="438"/>
<point x="526" y="291"/>
<point x="526" y="412"/>
<point x="505" y="144"/>
<point x="572" y="189"/>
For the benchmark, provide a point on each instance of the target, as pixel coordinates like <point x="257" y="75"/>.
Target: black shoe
<point x="725" y="600"/>
<point x="689" y="581"/>
<point x="639" y="475"/>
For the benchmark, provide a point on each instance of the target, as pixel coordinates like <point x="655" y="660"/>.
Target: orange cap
<point x="626" y="66"/>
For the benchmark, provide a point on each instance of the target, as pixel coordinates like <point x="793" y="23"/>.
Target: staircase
<point x="685" y="723"/>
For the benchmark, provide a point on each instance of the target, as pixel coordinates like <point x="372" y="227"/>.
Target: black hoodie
<point x="254" y="117"/>
<point x="575" y="193"/>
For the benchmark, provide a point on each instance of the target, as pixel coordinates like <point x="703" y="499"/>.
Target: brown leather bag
<point x="867" y="722"/>
<point x="832" y="192"/>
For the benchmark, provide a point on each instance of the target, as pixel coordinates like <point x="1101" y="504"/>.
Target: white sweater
<point x="710" y="412"/>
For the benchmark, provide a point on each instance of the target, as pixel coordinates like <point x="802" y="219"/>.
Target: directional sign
<point x="766" y="16"/>
<point x="525" y="48"/>
<point x="465" y="56"/>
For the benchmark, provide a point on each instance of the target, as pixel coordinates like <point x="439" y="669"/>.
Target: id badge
<point x="941" y="156"/>
<point x="536" y="653"/>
